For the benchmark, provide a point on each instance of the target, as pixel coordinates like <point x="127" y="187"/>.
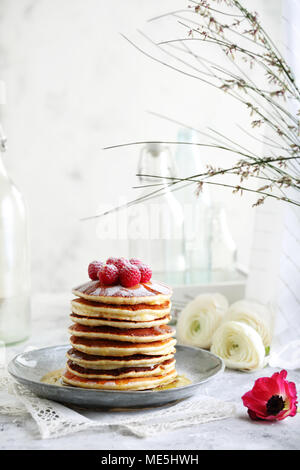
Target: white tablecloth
<point x="50" y="322"/>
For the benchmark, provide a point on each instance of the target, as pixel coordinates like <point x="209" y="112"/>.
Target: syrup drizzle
<point x="140" y="332"/>
<point x="116" y="372"/>
<point x="118" y="320"/>
<point x="75" y="354"/>
<point x="135" y="307"/>
<point x="118" y="344"/>
<point x="55" y="378"/>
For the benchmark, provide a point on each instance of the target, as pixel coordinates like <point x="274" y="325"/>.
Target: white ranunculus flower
<point x="239" y="345"/>
<point x="253" y="314"/>
<point x="200" y="318"/>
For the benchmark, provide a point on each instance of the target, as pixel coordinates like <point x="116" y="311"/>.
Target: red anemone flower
<point x="271" y="398"/>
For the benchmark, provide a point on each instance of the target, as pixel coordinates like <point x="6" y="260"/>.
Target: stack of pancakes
<point x="120" y="337"/>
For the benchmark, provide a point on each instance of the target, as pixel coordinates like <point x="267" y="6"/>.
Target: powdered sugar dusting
<point x="94" y="288"/>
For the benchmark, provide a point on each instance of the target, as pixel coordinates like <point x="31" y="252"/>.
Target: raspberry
<point x="130" y="275"/>
<point x="111" y="260"/>
<point x="135" y="261"/>
<point x="146" y="272"/>
<point x="108" y="275"/>
<point x="118" y="262"/>
<point x="93" y="269"/>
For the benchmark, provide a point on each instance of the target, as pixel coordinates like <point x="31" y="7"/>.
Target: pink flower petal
<point x="259" y="406"/>
<point x="261" y="389"/>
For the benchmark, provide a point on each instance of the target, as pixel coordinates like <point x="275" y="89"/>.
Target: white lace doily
<point x="56" y="420"/>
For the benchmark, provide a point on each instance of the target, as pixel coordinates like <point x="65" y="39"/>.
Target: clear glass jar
<point x="156" y="226"/>
<point x="197" y="210"/>
<point x="224" y="251"/>
<point x="14" y="262"/>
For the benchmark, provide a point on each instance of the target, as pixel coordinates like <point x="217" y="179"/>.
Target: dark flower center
<point x="275" y="405"/>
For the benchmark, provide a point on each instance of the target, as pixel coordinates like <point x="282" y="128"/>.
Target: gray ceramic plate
<point x="28" y="368"/>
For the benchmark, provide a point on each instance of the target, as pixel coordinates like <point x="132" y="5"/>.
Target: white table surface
<point x="49" y="327"/>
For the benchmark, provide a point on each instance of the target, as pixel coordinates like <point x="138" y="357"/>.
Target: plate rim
<point x="93" y="391"/>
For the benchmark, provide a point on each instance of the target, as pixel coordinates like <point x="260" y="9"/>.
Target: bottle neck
<point x="153" y="164"/>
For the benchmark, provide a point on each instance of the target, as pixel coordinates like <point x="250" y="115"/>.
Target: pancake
<point x="123" y="373"/>
<point x="90" y="361"/>
<point x="97" y="321"/>
<point x="121" y="348"/>
<point x="136" y="312"/>
<point x="120" y="338"/>
<point x="137" y="383"/>
<point x="134" y="335"/>
<point x="152" y="292"/>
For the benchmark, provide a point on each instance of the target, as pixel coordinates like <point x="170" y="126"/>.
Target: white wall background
<point x="74" y="85"/>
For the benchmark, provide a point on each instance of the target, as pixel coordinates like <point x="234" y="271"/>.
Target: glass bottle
<point x="156" y="226"/>
<point x="14" y="260"/>
<point x="223" y="247"/>
<point x="197" y="209"/>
